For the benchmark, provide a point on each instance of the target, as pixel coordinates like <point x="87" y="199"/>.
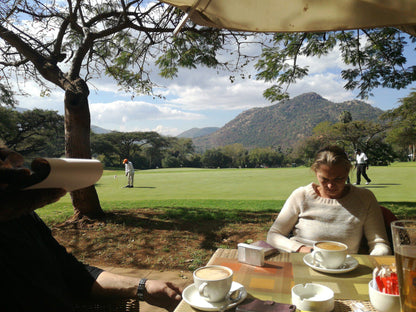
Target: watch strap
<point x="141" y="289"/>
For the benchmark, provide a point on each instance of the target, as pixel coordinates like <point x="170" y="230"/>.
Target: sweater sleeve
<point x="375" y="230"/>
<point x="285" y="222"/>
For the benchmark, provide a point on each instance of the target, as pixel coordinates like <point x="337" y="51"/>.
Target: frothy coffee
<point x="330" y="246"/>
<point x="212" y="273"/>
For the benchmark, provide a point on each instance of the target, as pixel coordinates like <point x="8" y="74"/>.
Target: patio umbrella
<point x="299" y="15"/>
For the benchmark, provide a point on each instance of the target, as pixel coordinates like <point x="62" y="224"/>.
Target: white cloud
<point x="129" y="111"/>
<point x="327" y="85"/>
<point x="330" y="62"/>
<point x="207" y="90"/>
<point x="166" y="130"/>
<point x="34" y="99"/>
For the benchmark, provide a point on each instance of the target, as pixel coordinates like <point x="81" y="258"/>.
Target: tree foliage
<point x="403" y="124"/>
<point x="375" y="58"/>
<point x="179" y="153"/>
<point x="33" y="133"/>
<point x="216" y="158"/>
<point x="116" y="146"/>
<point x="363" y="134"/>
<point x="7" y="96"/>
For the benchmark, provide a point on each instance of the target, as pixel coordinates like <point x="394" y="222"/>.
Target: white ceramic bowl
<point x="313" y="297"/>
<point x="383" y="302"/>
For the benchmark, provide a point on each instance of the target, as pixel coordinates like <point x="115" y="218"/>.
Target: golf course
<point x="176" y="218"/>
<point x="262" y="189"/>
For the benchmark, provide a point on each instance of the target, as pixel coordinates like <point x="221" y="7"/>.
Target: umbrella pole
<point x="185" y="18"/>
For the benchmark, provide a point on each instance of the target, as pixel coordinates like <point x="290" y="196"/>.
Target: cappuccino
<point x="329" y="254"/>
<point x="213" y="282"/>
<point x="212" y="273"/>
<point x="330" y="246"/>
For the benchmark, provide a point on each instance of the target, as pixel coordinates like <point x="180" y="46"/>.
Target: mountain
<point x="99" y="130"/>
<point x="284" y="123"/>
<point x="197" y="132"/>
<point x="20" y="109"/>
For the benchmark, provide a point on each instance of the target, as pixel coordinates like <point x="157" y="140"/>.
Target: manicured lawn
<point x="233" y="189"/>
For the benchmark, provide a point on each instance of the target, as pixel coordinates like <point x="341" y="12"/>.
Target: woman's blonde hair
<point x="330" y="156"/>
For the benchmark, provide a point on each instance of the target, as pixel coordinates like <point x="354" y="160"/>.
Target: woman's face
<point x="332" y="180"/>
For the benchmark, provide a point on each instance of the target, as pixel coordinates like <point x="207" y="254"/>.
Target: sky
<point x="204" y="97"/>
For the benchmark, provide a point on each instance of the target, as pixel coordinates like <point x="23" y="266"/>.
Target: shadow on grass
<point x="168" y="238"/>
<point x="172" y="238"/>
<point x="205" y="221"/>
<point x="145" y="187"/>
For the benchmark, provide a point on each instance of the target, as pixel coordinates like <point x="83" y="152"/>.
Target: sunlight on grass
<point x="224" y="192"/>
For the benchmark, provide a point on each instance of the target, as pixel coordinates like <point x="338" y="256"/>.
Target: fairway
<point x="253" y="189"/>
<point x="393" y="183"/>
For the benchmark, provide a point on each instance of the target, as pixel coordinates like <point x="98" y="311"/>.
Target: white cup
<point x="329" y="254"/>
<point x="213" y="282"/>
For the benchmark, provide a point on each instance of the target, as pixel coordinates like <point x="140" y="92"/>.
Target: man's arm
<point x="159" y="293"/>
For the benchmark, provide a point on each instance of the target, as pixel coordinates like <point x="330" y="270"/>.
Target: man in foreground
<point x="37" y="272"/>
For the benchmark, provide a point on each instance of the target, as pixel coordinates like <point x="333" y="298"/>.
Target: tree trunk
<point x="77" y="145"/>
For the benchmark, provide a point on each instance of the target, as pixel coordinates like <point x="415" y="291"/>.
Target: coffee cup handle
<point x="317" y="257"/>
<point x="202" y="288"/>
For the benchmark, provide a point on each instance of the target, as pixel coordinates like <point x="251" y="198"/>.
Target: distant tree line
<point x="41" y="133"/>
<point x="33" y="133"/>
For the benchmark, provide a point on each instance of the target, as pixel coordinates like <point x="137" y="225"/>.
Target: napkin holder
<point x="250" y="254"/>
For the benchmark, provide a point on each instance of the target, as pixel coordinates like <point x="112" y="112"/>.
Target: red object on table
<point x="388" y="284"/>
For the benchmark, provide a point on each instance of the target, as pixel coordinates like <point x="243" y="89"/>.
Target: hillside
<point x="99" y="130"/>
<point x="284" y="123"/>
<point x="197" y="132"/>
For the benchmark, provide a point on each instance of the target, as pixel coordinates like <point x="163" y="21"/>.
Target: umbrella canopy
<point x="300" y="15"/>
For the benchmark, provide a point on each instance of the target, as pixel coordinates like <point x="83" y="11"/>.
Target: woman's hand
<point x="305" y="249"/>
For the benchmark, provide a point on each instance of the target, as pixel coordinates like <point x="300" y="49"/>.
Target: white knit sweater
<point x="311" y="217"/>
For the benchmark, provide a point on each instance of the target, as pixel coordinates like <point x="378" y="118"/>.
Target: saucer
<point x="192" y="297"/>
<point x="350" y="264"/>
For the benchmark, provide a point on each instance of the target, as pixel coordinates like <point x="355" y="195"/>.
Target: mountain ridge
<point x="284" y="123"/>
<point x="197" y="132"/>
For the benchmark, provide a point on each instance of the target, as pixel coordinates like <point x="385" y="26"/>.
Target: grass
<point x="176" y="218"/>
<point x="232" y="189"/>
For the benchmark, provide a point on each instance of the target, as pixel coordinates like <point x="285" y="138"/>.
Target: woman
<point x="330" y="210"/>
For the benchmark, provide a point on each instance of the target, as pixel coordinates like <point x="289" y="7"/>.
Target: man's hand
<point x="15" y="202"/>
<point x="163" y="294"/>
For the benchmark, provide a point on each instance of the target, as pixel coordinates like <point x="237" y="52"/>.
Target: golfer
<point x="129" y="172"/>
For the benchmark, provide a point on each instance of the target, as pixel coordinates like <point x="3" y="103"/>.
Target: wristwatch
<point x="141" y="289"/>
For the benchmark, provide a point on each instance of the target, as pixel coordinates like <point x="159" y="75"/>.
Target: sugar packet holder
<point x="250" y="254"/>
<point x="385" y="280"/>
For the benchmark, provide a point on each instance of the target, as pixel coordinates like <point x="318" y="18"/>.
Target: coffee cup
<point x="329" y="254"/>
<point x="213" y="282"/>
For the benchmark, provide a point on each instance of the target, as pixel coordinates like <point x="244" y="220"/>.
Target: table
<point x="281" y="272"/>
